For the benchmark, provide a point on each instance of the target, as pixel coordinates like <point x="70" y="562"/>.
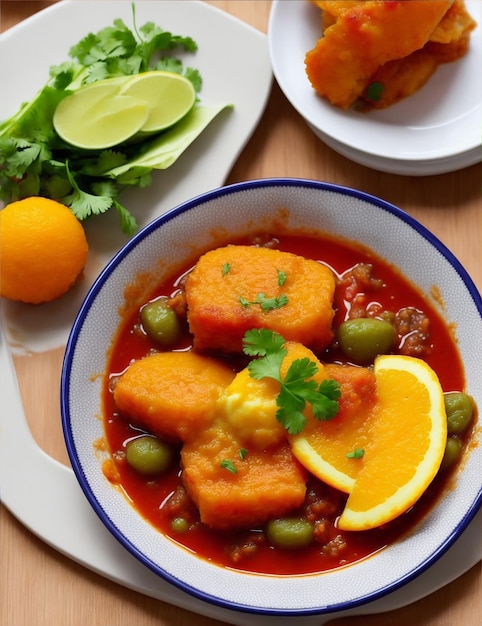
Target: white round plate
<point x="397" y="166"/>
<point x="436" y="130"/>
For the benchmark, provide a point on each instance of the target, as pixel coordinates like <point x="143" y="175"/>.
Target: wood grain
<point x="38" y="585"/>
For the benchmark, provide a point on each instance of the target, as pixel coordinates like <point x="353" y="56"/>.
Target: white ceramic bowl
<point x="237" y="209"/>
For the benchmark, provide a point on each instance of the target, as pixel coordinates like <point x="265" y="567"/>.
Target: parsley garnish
<point x="281" y="278"/>
<point x="243" y="453"/>
<point x="226" y="268"/>
<point x="297" y="387"/>
<point x="267" y="304"/>
<point x="229" y="465"/>
<point x="374" y="91"/>
<point x="357" y="453"/>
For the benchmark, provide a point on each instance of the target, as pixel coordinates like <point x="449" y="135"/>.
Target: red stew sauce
<point x="366" y="286"/>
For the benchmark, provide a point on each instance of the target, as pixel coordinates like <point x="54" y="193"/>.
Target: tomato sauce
<point x="366" y="285"/>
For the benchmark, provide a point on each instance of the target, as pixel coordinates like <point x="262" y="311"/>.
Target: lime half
<point x="170" y="97"/>
<point x="110" y="112"/>
<point x="97" y="117"/>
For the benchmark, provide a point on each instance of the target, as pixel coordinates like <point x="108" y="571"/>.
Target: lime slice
<point x="112" y="111"/>
<point x="170" y="97"/>
<point x="98" y="116"/>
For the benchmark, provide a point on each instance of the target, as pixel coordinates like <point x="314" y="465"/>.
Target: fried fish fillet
<point x="452" y="26"/>
<point x="365" y="36"/>
<point x="403" y="77"/>
<point x="455" y="25"/>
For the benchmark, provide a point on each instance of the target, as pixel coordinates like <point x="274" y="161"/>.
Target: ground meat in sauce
<point x="180" y="505"/>
<point x="359" y="279"/>
<point x="412" y="326"/>
<point x="250" y="546"/>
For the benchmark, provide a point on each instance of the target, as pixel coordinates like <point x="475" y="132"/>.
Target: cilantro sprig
<point x="297" y="387"/>
<point x="35" y="161"/>
<point x="265" y="302"/>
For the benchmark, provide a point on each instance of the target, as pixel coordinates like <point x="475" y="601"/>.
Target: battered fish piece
<point x="456" y="24"/>
<point x="233" y="289"/>
<point x="403" y="77"/>
<point x="365" y="37"/>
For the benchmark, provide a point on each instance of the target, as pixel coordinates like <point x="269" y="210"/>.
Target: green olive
<point x="459" y="408"/>
<point x="289" y="532"/>
<point x="363" y="338"/>
<point x="161" y="322"/>
<point x="149" y="456"/>
<point x="453" y="452"/>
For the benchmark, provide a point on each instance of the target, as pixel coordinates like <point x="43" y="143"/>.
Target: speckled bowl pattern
<point x="235" y="210"/>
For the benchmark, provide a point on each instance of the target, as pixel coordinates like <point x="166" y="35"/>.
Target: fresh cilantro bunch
<point x="35" y="161"/>
<point x="297" y="387"/>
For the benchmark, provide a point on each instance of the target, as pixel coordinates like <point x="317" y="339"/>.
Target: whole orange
<point x="43" y="250"/>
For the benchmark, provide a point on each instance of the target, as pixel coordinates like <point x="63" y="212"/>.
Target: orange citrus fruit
<point x="43" y="250"/>
<point x="406" y="443"/>
<point x="385" y="452"/>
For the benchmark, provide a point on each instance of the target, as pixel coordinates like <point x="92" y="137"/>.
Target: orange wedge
<point x="322" y="447"/>
<point x="406" y="444"/>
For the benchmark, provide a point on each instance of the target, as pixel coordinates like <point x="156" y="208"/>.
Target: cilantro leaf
<point x="299" y="370"/>
<point x="129" y="223"/>
<point x="229" y="465"/>
<point x="325" y="401"/>
<point x="357" y="453"/>
<point x="84" y="204"/>
<point x="374" y="91"/>
<point x="268" y="366"/>
<point x="259" y="342"/>
<point x="290" y="412"/>
<point x="298" y="386"/>
<point x="281" y="277"/>
<point x="226" y="268"/>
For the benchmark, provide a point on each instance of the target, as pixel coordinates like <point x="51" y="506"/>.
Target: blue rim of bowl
<point x="79" y="322"/>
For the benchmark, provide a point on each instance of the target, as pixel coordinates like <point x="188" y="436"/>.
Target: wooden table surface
<point x="40" y="587"/>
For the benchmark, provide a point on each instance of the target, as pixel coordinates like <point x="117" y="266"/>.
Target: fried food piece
<point x="172" y="394"/>
<point x="332" y="9"/>
<point x="403" y="77"/>
<point x="365" y="37"/>
<point x="455" y="25"/>
<point x="237" y="288"/>
<point x="235" y="492"/>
